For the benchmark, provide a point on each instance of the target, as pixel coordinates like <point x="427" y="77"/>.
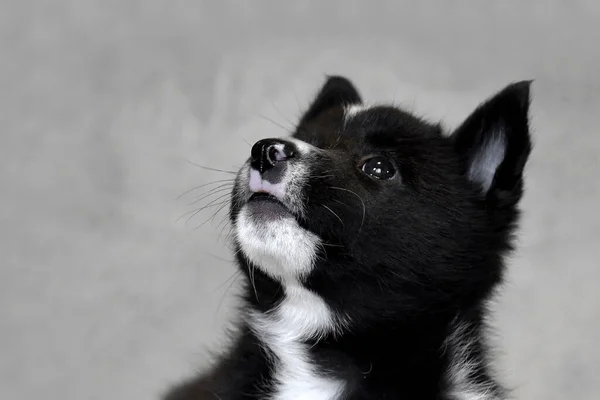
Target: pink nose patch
<point x="257" y="184"/>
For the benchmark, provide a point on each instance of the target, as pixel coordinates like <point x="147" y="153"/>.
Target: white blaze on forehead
<point x="279" y="247"/>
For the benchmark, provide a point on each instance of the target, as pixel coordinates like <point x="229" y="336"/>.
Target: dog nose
<point x="267" y="153"/>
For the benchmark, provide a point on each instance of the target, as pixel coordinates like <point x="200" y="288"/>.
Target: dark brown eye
<point x="379" y="167"/>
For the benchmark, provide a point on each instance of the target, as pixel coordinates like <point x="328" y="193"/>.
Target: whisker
<point x="341" y="202"/>
<point x="337" y="141"/>
<point x="233" y="278"/>
<point x="217" y="202"/>
<point x="331" y="211"/>
<point x="230" y="236"/>
<point x="323" y="176"/>
<point x="204" y="185"/>
<point x="363" y="207"/>
<point x="221" y="235"/>
<point x="325" y="172"/>
<point x="251" y="273"/>
<point x="275" y="123"/>
<point x="332" y="245"/>
<point x="212" y="169"/>
<point x="238" y="251"/>
<point x="195" y="210"/>
<point x="219" y="189"/>
<point x="220" y="205"/>
<point x="225" y="222"/>
<point x="281" y="114"/>
<point x="219" y="210"/>
<point x="216" y="395"/>
<point x="228" y="280"/>
<point x="217" y="258"/>
<point x="213" y="203"/>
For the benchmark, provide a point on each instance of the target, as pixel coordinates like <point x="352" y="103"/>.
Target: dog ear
<point x="336" y="92"/>
<point x="494" y="143"/>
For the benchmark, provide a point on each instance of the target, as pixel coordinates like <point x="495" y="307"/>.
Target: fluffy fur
<point x="367" y="288"/>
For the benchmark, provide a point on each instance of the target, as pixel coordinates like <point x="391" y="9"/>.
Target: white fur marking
<point x="461" y="369"/>
<point x="486" y="161"/>
<point x="301" y="315"/>
<point x="257" y="184"/>
<point x="351" y="111"/>
<point x="302" y="147"/>
<point x="281" y="248"/>
<point x="286" y="251"/>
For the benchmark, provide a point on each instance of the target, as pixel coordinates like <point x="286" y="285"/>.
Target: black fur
<point x="415" y="259"/>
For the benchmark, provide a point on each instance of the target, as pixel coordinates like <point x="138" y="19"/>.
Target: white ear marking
<point x="487" y="159"/>
<point x="351" y="110"/>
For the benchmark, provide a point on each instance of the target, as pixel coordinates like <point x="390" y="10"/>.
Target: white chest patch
<point x="300" y="316"/>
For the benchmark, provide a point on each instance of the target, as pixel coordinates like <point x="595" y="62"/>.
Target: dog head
<point x="379" y="212"/>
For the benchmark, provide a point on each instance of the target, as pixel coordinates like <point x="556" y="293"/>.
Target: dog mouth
<point x="263" y="205"/>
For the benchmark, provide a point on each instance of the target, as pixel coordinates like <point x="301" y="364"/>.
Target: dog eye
<point x="379" y="168"/>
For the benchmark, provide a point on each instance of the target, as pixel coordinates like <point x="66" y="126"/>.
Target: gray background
<point x="105" y="294"/>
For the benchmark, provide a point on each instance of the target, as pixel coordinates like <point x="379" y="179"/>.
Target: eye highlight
<point x="379" y="167"/>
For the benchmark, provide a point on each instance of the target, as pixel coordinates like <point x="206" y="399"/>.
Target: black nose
<point x="267" y="152"/>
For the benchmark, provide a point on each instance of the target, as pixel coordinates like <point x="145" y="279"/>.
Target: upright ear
<point x="336" y="92"/>
<point x="494" y="143"/>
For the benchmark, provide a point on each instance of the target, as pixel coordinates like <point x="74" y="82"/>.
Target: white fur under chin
<point x="285" y="251"/>
<point x="301" y="315"/>
<point x="280" y="248"/>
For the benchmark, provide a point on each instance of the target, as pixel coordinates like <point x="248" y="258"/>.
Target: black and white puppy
<point x="371" y="242"/>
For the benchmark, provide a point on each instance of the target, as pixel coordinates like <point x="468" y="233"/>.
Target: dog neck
<point x="317" y="352"/>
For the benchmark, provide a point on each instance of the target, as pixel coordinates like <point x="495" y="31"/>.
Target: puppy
<point x="371" y="241"/>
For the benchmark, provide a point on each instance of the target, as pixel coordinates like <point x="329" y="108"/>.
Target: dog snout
<point x="269" y="157"/>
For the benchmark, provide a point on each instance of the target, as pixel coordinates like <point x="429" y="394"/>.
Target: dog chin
<point x="272" y="240"/>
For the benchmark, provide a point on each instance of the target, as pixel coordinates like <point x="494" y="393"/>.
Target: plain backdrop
<point x="105" y="107"/>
